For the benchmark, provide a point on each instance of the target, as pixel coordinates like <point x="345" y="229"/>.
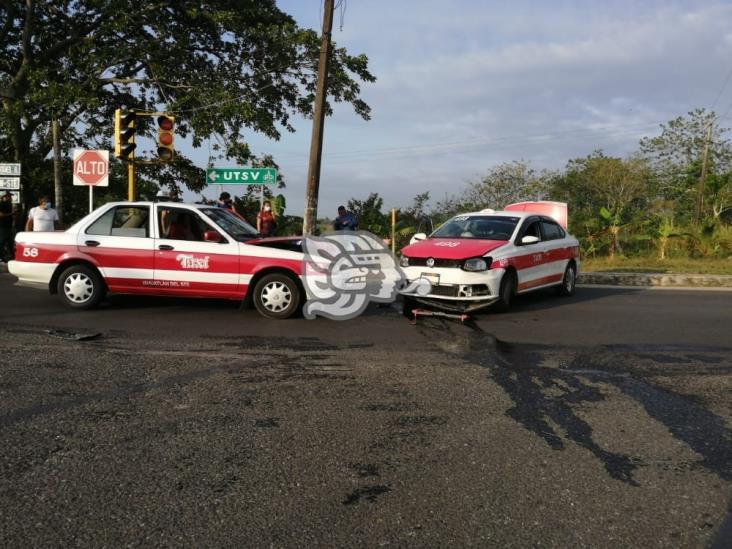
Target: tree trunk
<point x="57" y="187"/>
<point x="615" y="230"/>
<point x="662" y="243"/>
<point x="613" y="242"/>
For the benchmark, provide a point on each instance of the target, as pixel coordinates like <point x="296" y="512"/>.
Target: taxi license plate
<point x="433" y="278"/>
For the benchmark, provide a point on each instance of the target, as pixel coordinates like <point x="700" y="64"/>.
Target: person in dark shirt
<point x="226" y="203"/>
<point x="6" y="227"/>
<point x="346" y="221"/>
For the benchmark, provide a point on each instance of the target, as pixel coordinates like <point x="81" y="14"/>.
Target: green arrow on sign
<point x="241" y="176"/>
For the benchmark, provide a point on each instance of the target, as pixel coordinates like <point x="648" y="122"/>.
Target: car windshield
<point x="485" y="227"/>
<point x="238" y="229"/>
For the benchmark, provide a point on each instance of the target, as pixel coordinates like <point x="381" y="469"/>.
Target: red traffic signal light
<point x="166" y="124"/>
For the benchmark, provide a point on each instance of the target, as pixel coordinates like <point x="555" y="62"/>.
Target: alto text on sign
<point x="91" y="168"/>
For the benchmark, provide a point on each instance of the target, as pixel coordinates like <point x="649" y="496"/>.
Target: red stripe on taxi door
<point x="540" y="282"/>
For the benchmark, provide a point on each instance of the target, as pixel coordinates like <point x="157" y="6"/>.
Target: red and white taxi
<point x="484" y="258"/>
<point x="162" y="248"/>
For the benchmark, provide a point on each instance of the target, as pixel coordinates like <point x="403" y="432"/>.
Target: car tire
<point x="81" y="287"/>
<point x="569" y="281"/>
<point x="506" y="292"/>
<point x="277" y="296"/>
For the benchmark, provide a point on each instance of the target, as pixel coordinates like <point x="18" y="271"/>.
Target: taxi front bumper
<point x="455" y="289"/>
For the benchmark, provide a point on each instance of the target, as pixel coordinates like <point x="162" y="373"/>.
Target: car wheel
<point x="277" y="296"/>
<point x="81" y="287"/>
<point x="506" y="292"/>
<point x="569" y="281"/>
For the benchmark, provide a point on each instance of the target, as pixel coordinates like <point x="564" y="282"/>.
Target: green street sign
<point x="241" y="176"/>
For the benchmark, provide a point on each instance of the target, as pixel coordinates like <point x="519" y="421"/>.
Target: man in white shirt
<point x="43" y="217"/>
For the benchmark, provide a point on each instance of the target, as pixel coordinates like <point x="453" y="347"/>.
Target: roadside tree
<point x="220" y="66"/>
<point x="369" y="214"/>
<point x="610" y="189"/>
<point x="676" y="157"/>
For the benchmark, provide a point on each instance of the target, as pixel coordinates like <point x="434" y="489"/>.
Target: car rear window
<point x="131" y="221"/>
<point x="551" y="230"/>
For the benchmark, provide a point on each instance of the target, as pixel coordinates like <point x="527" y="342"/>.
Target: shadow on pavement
<point x="548" y="299"/>
<point x="547" y="398"/>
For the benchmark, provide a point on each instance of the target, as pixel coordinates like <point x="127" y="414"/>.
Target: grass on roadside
<point x="653" y="265"/>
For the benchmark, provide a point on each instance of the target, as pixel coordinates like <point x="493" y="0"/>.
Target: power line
<point x="721" y="90"/>
<point x="493" y="145"/>
<point x="726" y="112"/>
<point x="343" y="5"/>
<point x="233" y="99"/>
<point x="486" y="141"/>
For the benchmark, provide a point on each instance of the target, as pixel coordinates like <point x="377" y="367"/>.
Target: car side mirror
<point x="212" y="236"/>
<point x="417" y="237"/>
<point x="529" y="239"/>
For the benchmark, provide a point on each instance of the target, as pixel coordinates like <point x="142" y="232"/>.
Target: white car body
<point x="535" y="265"/>
<point x="125" y="247"/>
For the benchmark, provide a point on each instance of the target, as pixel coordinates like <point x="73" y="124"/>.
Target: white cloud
<point x="464" y="85"/>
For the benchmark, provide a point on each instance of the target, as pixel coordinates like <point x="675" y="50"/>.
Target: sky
<point x="464" y="85"/>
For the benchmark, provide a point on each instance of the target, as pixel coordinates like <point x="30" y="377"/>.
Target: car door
<point x="186" y="263"/>
<point x="530" y="260"/>
<point x="119" y="241"/>
<point x="557" y="251"/>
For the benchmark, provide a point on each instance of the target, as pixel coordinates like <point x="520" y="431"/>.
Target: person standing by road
<point x="6" y="227"/>
<point x="43" y="217"/>
<point x="266" y="223"/>
<point x="346" y="221"/>
<point x="227" y="203"/>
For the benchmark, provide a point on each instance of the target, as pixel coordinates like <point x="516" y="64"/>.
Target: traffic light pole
<point x="131" y="178"/>
<point x="316" y="141"/>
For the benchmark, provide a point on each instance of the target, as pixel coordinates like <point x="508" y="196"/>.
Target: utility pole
<point x="703" y="176"/>
<point x="316" y="140"/>
<point x="57" y="188"/>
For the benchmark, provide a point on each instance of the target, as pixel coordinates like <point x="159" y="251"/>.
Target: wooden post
<point x="703" y="176"/>
<point x="316" y="140"/>
<point x="393" y="230"/>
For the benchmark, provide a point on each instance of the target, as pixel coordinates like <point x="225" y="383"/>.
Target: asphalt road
<point x="599" y="420"/>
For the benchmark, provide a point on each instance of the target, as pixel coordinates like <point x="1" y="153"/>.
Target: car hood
<point x="452" y="248"/>
<point x="291" y="243"/>
<point x="264" y="241"/>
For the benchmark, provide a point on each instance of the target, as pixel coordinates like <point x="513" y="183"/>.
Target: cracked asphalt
<point x="600" y="420"/>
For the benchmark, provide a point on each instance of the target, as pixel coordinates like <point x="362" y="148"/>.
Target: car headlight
<point x="404" y="261"/>
<point x="475" y="264"/>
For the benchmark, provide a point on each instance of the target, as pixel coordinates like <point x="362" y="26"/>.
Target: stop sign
<point x="91" y="168"/>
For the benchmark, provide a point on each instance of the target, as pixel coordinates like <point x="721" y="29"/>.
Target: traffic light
<point x="125" y="126"/>
<point x="165" y="138"/>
